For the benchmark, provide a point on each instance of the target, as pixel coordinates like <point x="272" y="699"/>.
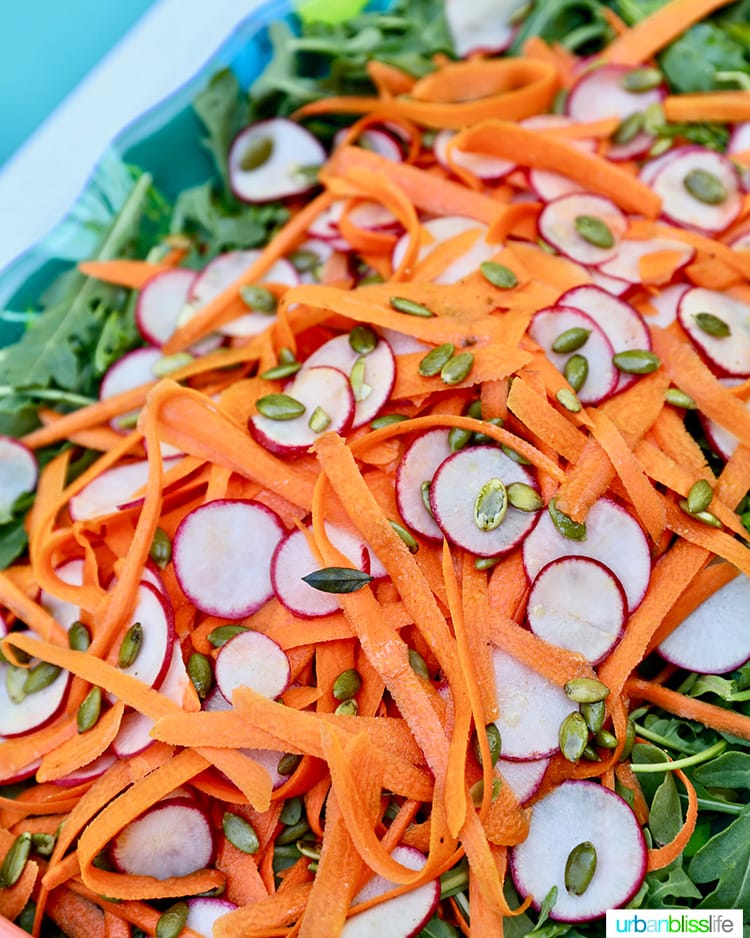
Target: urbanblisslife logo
<point x="717" y="923"/>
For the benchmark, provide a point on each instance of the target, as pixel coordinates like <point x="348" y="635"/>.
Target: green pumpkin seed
<point x="303" y="260"/>
<point x="130" y="646"/>
<point x="705" y="517"/>
<point x="590" y="754"/>
<point x="418" y="664"/>
<point x="576" y="371"/>
<point x="161" y="548"/>
<point x="490" y="505"/>
<point x="200" y="673"/>
<point x="636" y="361"/>
<point x="436" y="359"/>
<point x="628" y="129"/>
<point x="406" y="536"/>
<point x="287" y="366"/>
<point x="593" y="714"/>
<point x="291" y="813"/>
<point x="319" y="420"/>
<point x="223" y="633"/>
<point x="494" y="743"/>
<point x="40" y="676"/>
<point x="168" y="364"/>
<point x="568" y="399"/>
<point x="347" y="708"/>
<point x="171" y="923"/>
<point x="79" y="637"/>
<point x="580" y="868"/>
<point x="560" y="99"/>
<point x="481" y="439"/>
<point x="573" y="736"/>
<point x="712" y="325"/>
<point x="286" y="356"/>
<point x="654" y="119"/>
<point x="424" y="491"/>
<point x="360" y="388"/>
<point x="347" y="684"/>
<point x="89" y="710"/>
<point x="523" y="497"/>
<point x="458" y="438"/>
<point x="638" y="80"/>
<point x="386" y="420"/>
<point x="257" y="153"/>
<point x="279" y="407"/>
<point x="474" y="410"/>
<point x="476" y="792"/>
<point x="660" y="146"/>
<point x="404" y="305"/>
<point x="363" y="339"/>
<point x="498" y="275"/>
<point x="678" y="398"/>
<point x="585" y="690"/>
<point x="573" y="530"/>
<point x="293" y="833"/>
<point x="630" y="734"/>
<point x="457" y="368"/>
<point x="605" y="739"/>
<point x="337" y="580"/>
<point x="288" y="763"/>
<point x="43" y="844"/>
<point x="240" y="833"/>
<point x="594" y="231"/>
<point x="15" y="860"/>
<point x="311" y="851"/>
<point x="699" y="497"/>
<point x="15" y="682"/>
<point x="514" y="455"/>
<point x="571" y="340"/>
<point x="705" y="187"/>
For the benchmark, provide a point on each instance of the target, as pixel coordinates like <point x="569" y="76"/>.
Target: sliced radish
<point x="600" y="93"/>
<point x="222" y="556"/>
<point x="531" y="709"/>
<point x="203" y="912"/>
<point x="524" y="776"/>
<point x="714" y="638"/>
<point x="375" y="139"/>
<point x="666" y="303"/>
<point x="373" y="388"/>
<point x="401" y="917"/>
<point x="403" y="344"/>
<point x="652" y="167"/>
<point x="577" y="603"/>
<point x="720" y="438"/>
<point x="311" y="270"/>
<point x="70" y="572"/>
<point x="610" y="284"/>
<point x="174" y="838"/>
<point x="131" y="371"/>
<point x="441" y="230"/>
<point x="741" y="242"/>
<point x="273" y="159"/>
<point x="574" y="813"/>
<point x="625" y="265"/>
<point x="253" y="660"/>
<point x="418" y="465"/>
<point x="21" y="715"/>
<point x="613" y="537"/>
<point x="161" y="302"/>
<point x="87" y="773"/>
<point x="548" y="324"/>
<point x="323" y="387"/>
<point x="730" y="353"/>
<point x="482" y="166"/>
<point x="153" y="610"/>
<point x="18" y="474"/>
<point x="484" y="26"/>
<point x="113" y="490"/>
<point x="679" y="205"/>
<point x="325" y="226"/>
<point x="563" y="219"/>
<point x="547" y="184"/>
<point x="133" y="736"/>
<point x="739" y="140"/>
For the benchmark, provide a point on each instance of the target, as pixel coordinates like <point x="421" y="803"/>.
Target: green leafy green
<point x="579" y="25"/>
<point x="223" y="110"/>
<point x="665" y="814"/>
<point x="437" y="928"/>
<point x="729" y="770"/>
<point x="725" y="860"/>
<point x="692" y="62"/>
<point x="667" y="885"/>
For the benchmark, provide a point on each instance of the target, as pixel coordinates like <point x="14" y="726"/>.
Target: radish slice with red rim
<point x="18" y="474"/>
<point x="548" y="325"/>
<point x="403" y="344"/>
<point x="741" y="242"/>
<point x="613" y="537"/>
<point x="739" y="139"/>
<point x="251" y="659"/>
<point x="714" y="638"/>
<point x="699" y="188"/>
<point x="719" y="325"/>
<point x="62" y="611"/>
<point x="222" y="556"/>
<point x="547" y="184"/>
<point x="586" y="228"/>
<point x="323" y="391"/>
<point x="609" y="284"/>
<point x="665" y="303"/>
<point x="482" y="166"/>
<point x="602" y="92"/>
<point x="625" y="265"/>
<point x="259" y="162"/>
<point x="131" y="371"/>
<point x="652" y="167"/>
<point x="23" y="712"/>
<point x="531" y="709"/>
<point x="441" y="230"/>
<point x="204" y="911"/>
<point x="173" y="838"/>
<point x="113" y="490"/>
<point x="483" y="26"/>
<point x="153" y="611"/>
<point x="720" y="438"/>
<point x="161" y="302"/>
<point x="457" y="489"/>
<point x="87" y="773"/>
<point x="419" y="464"/>
<point x="523" y="776"/>
<point x="375" y="139"/>
<point x="575" y="813"/>
<point x="579" y="604"/>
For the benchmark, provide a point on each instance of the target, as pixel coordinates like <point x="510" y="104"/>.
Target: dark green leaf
<point x="665" y="816"/>
<point x="667" y="885"/>
<point x="725" y="860"/>
<point x="691" y="62"/>
<point x="729" y="770"/>
<point x="437" y="928"/>
<point x="13" y="541"/>
<point x="337" y="580"/>
<point x="220" y="108"/>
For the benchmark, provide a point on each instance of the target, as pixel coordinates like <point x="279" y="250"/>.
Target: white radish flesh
<point x="613" y="537"/>
<point x="577" y="603"/>
<point x="153" y="611"/>
<point x="374" y="139"/>
<point x="33" y="710"/>
<point x="454" y="491"/>
<point x="131" y="371"/>
<point x="524" y="776"/>
<point x="251" y="659"/>
<point x="62" y="611"/>
<point x="483" y="26"/>
<point x="113" y="490"/>
<point x="18" y="474"/>
<point x="440" y="230"/>
<point x="575" y="812"/>
<point x="665" y="303"/>
<point x="682" y="207"/>
<point x="482" y="166"/>
<point x="547" y="184"/>
<point x="625" y="265"/>
<point x="87" y="773"/>
<point x="610" y="284"/>
<point x="204" y="911"/>
<point x="720" y="438"/>
<point x="729" y="354"/>
<point x="222" y="556"/>
<point x="419" y="464"/>
<point x="560" y="220"/>
<point x="161" y="302"/>
<point x="600" y="93"/>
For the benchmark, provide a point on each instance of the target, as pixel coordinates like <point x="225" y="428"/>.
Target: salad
<point x="375" y="513"/>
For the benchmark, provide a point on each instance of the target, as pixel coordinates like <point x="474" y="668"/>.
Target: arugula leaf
<point x="665" y="813"/>
<point x="437" y="928"/>
<point x="691" y="63"/>
<point x="223" y="111"/>
<point x="729" y="770"/>
<point x="668" y="884"/>
<point x="576" y="24"/>
<point x="633" y="11"/>
<point x="725" y="860"/>
<point x="13" y="541"/>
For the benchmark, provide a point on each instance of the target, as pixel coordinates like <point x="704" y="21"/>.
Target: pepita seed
<point x="568" y="400"/>
<point x="593" y="714"/>
<point x="347" y="684"/>
<point x="288" y="763"/>
<point x="221" y="635"/>
<point x="40" y="676"/>
<point x="457" y="368"/>
<point x="293" y="833"/>
<point x="406" y="536"/>
<point x="347" y="708"/>
<point x="279" y="407"/>
<point x="130" y="646"/>
<point x="636" y="361"/>
<point x="498" y="275"/>
<point x="490" y="505"/>
<point x="15" y="682"/>
<point x="458" y="438"/>
<point x="628" y="129"/>
<point x="585" y="690"/>
<point x="523" y="497"/>
<point x="286" y="355"/>
<point x="436" y="359"/>
<point x="514" y="455"/>
<point x="576" y="371"/>
<point x="311" y="851"/>
<point x="573" y="530"/>
<point x="573" y="736"/>
<point x="43" y="844"/>
<point x="386" y="420"/>
<point x="363" y="339"/>
<point x="705" y="186"/>
<point x="171" y="922"/>
<point x="678" y="398"/>
<point x="258" y="152"/>
<point x="319" y="420"/>
<point x="630" y="734"/>
<point x="476" y="792"/>
<point x="291" y="812"/>
<point x="360" y="388"/>
<point x="605" y="739"/>
<point x="638" y="80"/>
<point x="571" y="340"/>
<point x="304" y="260"/>
<point x="161" y="548"/>
<point x="282" y="370"/>
<point x="712" y="325"/>
<point x="494" y="743"/>
<point x="168" y="364"/>
<point x="590" y="754"/>
<point x="240" y="833"/>
<point x="200" y="673"/>
<point x="481" y="439"/>
<point x="403" y="304"/>
<point x="486" y="563"/>
<point x="418" y="664"/>
<point x="474" y="410"/>
<point x="337" y="580"/>
<point x="15" y="860"/>
<point x="699" y="497"/>
<point x="705" y="517"/>
<point x="79" y="637"/>
<point x="424" y="491"/>
<point x="660" y="146"/>
<point x="580" y="868"/>
<point x="654" y="119"/>
<point x="594" y="231"/>
<point x="560" y="101"/>
<point x="89" y="710"/>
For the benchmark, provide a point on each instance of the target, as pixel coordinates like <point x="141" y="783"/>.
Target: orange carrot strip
<point x="265" y="916"/>
<point x="690" y="708"/>
<point x="75" y="916"/>
<point x="731" y="106"/>
<point x="81" y="749"/>
<point x="475" y="599"/>
<point x="123" y="272"/>
<point x="37" y="618"/>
